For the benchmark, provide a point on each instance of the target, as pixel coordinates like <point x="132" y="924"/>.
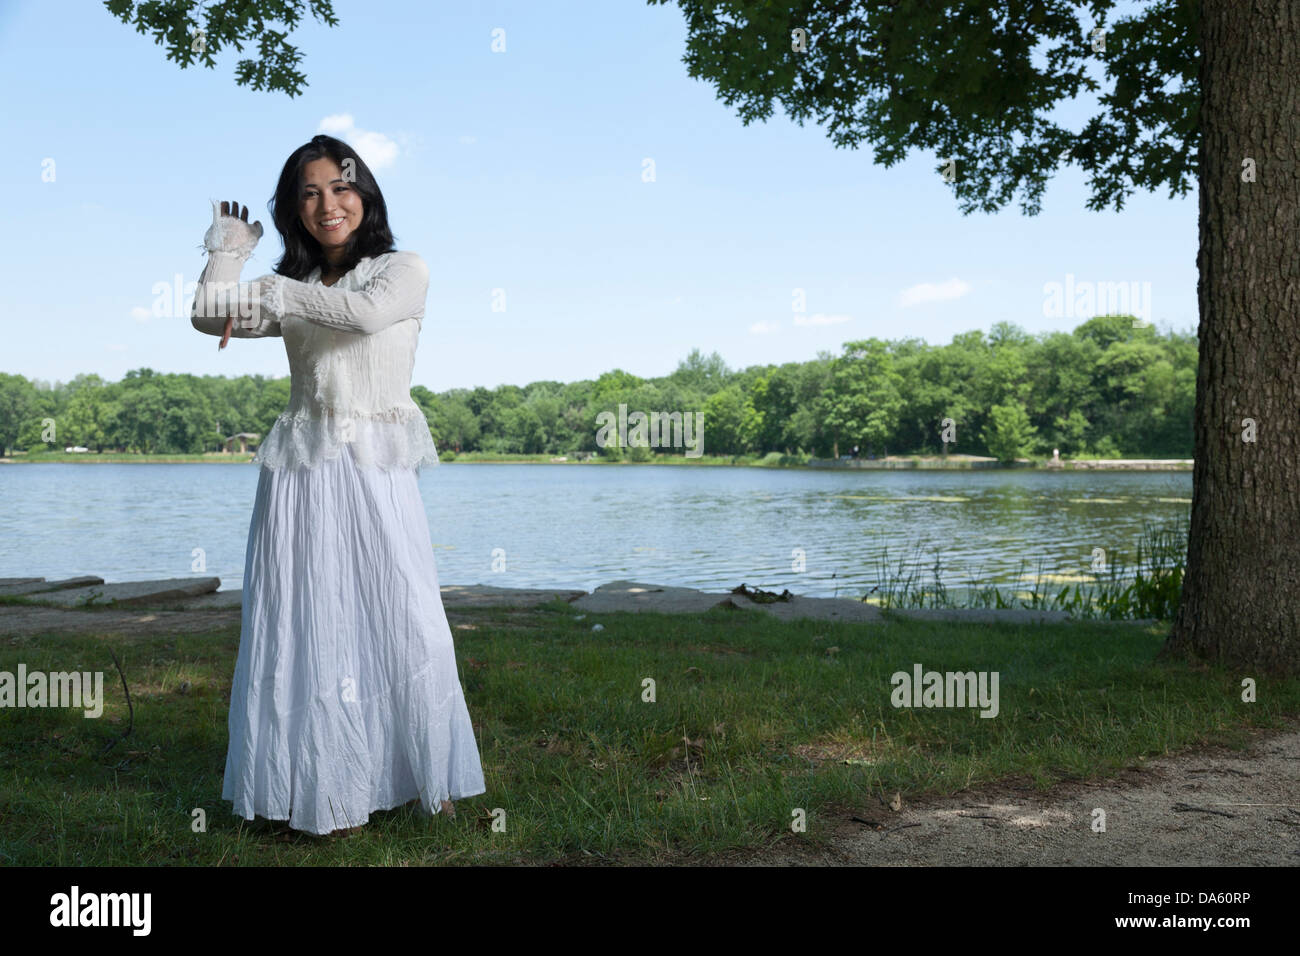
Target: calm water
<point x="579" y="527"/>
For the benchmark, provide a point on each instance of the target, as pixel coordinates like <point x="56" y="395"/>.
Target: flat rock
<point x="453" y="596"/>
<point x="981" y="615"/>
<point x="37" y="585"/>
<point x="6" y="582"/>
<point x="821" y="609"/>
<point x="656" y="598"/>
<point x="483" y="595"/>
<point x="132" y="592"/>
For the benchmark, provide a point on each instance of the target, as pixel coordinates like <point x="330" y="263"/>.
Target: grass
<point x="754" y="717"/>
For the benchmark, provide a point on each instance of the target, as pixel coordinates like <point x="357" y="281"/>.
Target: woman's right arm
<point x="229" y="241"/>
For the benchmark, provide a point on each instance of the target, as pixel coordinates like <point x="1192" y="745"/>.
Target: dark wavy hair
<point x="302" y="253"/>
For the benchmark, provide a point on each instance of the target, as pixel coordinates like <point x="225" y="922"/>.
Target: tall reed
<point x="1149" y="588"/>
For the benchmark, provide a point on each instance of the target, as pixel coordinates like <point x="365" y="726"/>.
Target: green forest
<point x="1109" y="388"/>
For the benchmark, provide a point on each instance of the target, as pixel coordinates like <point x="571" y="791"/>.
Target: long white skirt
<point x="346" y="699"/>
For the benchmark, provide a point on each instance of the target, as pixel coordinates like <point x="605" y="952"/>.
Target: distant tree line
<point x="1107" y="388"/>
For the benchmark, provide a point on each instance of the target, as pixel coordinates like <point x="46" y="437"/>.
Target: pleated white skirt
<point x="346" y="698"/>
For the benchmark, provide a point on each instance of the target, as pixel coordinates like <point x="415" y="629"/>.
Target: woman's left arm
<point x="395" y="292"/>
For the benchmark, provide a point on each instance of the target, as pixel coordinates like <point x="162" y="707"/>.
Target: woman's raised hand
<point x="230" y="230"/>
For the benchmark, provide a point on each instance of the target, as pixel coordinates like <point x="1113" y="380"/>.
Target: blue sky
<point x="518" y="171"/>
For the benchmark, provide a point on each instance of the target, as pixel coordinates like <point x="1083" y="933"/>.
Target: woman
<point x="346" y="698"/>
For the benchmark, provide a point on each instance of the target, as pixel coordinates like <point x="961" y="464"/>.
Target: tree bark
<point x="1241" y="595"/>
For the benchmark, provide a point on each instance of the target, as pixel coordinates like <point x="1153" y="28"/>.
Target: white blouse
<point x="351" y="349"/>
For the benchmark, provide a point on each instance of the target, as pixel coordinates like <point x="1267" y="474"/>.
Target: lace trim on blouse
<point x="395" y="438"/>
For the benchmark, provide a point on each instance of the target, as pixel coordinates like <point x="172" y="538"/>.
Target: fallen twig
<point x="130" y="708"/>
<point x="901" y="826"/>
<point x="1239" y="773"/>
<point x="1188" y="808"/>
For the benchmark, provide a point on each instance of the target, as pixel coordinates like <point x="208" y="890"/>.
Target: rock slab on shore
<point x="483" y="595"/>
<point x="202" y="594"/>
<point x="20" y="587"/>
<point x="131" y="592"/>
<point x="658" y="598"/>
<point x="820" y="609"/>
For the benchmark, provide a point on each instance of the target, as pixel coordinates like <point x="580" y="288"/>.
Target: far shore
<point x="889" y="463"/>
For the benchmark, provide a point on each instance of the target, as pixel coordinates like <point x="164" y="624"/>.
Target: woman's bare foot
<point x="449" y="808"/>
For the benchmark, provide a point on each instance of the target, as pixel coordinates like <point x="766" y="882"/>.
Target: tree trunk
<point x="1241" y="595"/>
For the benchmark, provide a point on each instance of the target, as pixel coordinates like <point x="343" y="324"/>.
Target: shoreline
<point x="977" y="463"/>
<point x="40" y="601"/>
<point x="891" y="463"/>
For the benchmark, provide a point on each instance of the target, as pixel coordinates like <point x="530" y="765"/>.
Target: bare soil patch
<point x="1205" y="807"/>
<point x="25" y="620"/>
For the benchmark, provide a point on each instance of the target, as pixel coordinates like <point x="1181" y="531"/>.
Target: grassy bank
<point x="637" y="457"/>
<point x="975" y="462"/>
<point x="754" y="717"/>
<point x="771" y="460"/>
<point x="63" y="457"/>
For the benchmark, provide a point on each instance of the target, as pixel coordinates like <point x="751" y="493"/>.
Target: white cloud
<point x="764" y="328"/>
<point x="821" y="318"/>
<point x="376" y="149"/>
<point x="933" y="292"/>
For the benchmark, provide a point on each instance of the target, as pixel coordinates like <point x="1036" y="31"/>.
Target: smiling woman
<point x="329" y="210"/>
<point x="346" y="698"/>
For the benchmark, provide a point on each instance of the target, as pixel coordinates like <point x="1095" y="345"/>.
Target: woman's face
<point x="329" y="207"/>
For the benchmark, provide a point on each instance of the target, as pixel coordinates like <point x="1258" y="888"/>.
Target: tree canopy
<point x="195" y="33"/>
<point x="971" y="82"/>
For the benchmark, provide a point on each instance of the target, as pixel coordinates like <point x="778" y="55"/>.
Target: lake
<point x="575" y="526"/>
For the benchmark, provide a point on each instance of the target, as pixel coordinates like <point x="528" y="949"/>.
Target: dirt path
<point x="1200" y="808"/>
<point x="24" y="620"/>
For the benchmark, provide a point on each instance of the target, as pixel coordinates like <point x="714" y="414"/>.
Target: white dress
<point x="346" y="698"/>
